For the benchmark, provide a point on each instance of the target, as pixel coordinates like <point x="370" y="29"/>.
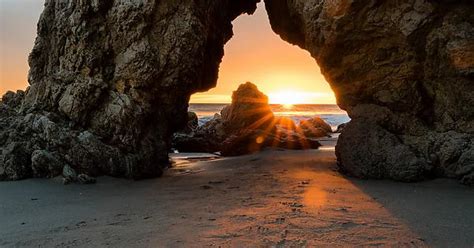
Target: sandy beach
<point x="270" y="199"/>
<point x="130" y="124"/>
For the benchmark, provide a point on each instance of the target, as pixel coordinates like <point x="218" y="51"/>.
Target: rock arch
<point x="110" y="82"/>
<point x="403" y="70"/>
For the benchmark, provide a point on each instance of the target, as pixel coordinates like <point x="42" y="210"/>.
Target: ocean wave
<point x="332" y="114"/>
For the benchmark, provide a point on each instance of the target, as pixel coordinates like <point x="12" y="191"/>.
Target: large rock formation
<point x="249" y="110"/>
<point x="403" y="70"/>
<point x="250" y="125"/>
<point x="110" y="82"/>
<point x="246" y="126"/>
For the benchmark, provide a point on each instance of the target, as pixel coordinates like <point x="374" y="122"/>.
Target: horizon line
<point x="217" y="103"/>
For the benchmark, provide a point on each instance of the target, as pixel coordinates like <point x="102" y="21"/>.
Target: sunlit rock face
<point x="403" y="70"/>
<point x="110" y="82"/>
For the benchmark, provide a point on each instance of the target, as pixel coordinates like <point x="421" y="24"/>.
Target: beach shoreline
<point x="273" y="198"/>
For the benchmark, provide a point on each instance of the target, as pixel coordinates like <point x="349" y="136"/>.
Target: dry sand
<point x="270" y="199"/>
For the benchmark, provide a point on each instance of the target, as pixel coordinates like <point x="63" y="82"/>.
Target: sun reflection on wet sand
<point x="314" y="197"/>
<point x="296" y="199"/>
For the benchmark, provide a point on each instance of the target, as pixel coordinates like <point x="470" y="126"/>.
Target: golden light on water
<point x="289" y="98"/>
<point x="288" y="106"/>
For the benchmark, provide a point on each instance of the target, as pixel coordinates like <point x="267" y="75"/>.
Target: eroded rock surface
<point x="109" y="84"/>
<point x="404" y="72"/>
<point x="315" y="127"/>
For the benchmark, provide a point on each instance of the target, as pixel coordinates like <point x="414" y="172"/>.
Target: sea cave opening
<point x="287" y="74"/>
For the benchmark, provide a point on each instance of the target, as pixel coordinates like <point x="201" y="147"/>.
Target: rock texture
<point x="341" y="127"/>
<point x="206" y="138"/>
<point x="249" y="110"/>
<point x="403" y="70"/>
<point x="109" y="84"/>
<point x="246" y="126"/>
<point x="315" y="127"/>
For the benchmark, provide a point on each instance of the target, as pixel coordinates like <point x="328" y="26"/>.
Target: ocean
<point x="331" y="113"/>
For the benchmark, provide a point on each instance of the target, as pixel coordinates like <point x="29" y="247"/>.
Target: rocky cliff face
<point x="403" y="70"/>
<point x="110" y="82"/>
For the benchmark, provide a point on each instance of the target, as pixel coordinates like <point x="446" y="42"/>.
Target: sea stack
<point x="247" y="125"/>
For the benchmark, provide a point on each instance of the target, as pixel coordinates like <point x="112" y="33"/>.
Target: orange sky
<point x="18" y="20"/>
<point x="285" y="72"/>
<point x="279" y="69"/>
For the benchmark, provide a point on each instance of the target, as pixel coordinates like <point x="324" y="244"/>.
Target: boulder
<point x="213" y="129"/>
<point x="247" y="125"/>
<point x="45" y="165"/>
<point x="191" y="124"/>
<point x="387" y="159"/>
<point x="85" y="179"/>
<point x="69" y="173"/>
<point x="15" y="162"/>
<point x="250" y="141"/>
<point x="70" y="176"/>
<point x="193" y="143"/>
<point x="465" y="166"/>
<point x="285" y="123"/>
<point x="315" y="127"/>
<point x="206" y="138"/>
<point x="249" y="110"/>
<point x="12" y="99"/>
<point x="193" y="121"/>
<point x="186" y="139"/>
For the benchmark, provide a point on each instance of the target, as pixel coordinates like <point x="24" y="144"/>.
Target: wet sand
<point x="270" y="199"/>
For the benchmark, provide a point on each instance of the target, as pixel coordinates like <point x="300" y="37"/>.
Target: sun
<point x="288" y="106"/>
<point x="288" y="98"/>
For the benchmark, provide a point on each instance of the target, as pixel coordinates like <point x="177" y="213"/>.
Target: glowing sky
<point x="279" y="69"/>
<point x="284" y="72"/>
<point x="18" y="20"/>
